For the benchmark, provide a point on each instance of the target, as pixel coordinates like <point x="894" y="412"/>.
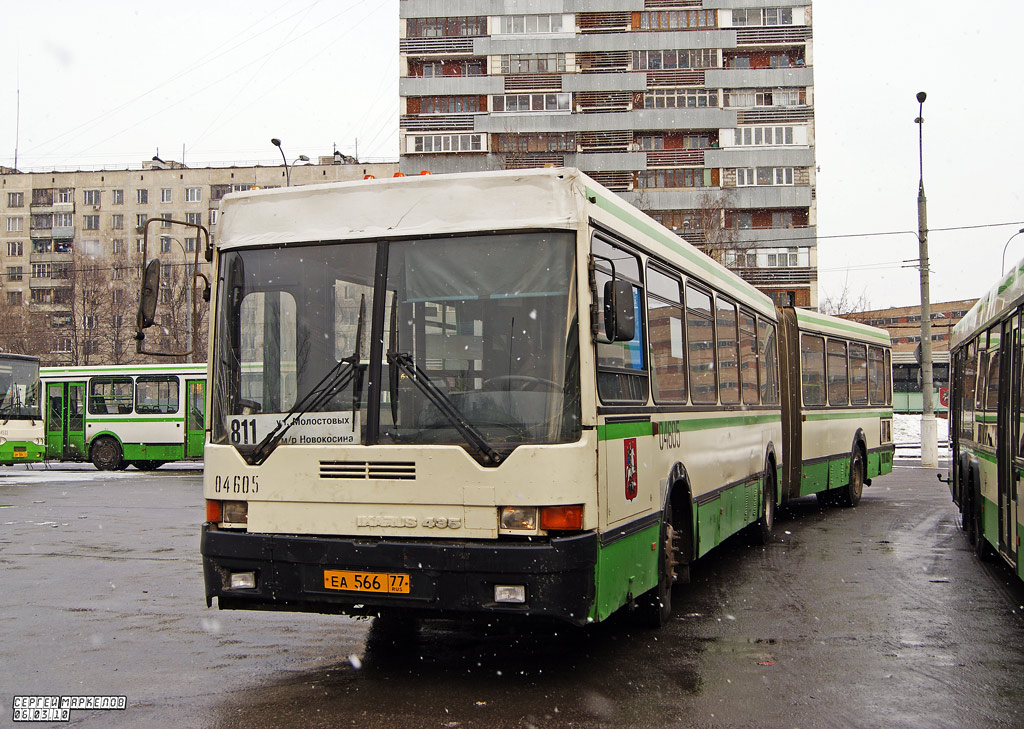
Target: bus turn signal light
<point x="561" y="518"/>
<point x="227" y="512"/>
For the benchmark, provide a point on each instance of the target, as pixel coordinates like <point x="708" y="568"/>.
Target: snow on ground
<point x="65" y="472"/>
<point x="906" y="434"/>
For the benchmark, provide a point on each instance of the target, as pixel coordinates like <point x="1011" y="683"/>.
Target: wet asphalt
<point x="877" y="616"/>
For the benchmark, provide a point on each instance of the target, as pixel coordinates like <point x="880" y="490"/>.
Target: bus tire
<point x="763" y="526"/>
<point x="106" y="453"/>
<point x="147" y="465"/>
<point x="982" y="549"/>
<point x="654" y="608"/>
<point x="849" y="495"/>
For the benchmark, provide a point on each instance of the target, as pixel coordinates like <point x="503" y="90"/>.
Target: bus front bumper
<point x="292" y="573"/>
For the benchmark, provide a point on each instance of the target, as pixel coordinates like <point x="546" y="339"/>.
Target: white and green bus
<point x="492" y="393"/>
<point x="117" y="416"/>
<point x="985" y="430"/>
<point x="836" y="408"/>
<point x="21" y="424"/>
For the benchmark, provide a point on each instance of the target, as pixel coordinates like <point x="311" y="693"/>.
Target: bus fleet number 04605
<point x="237" y="484"/>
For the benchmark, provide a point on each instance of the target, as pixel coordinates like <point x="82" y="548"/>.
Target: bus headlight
<point x="519" y="517"/>
<point x="40" y="441"/>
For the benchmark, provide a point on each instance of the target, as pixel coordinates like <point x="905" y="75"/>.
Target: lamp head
<point x="921" y="96"/>
<point x="275" y="141"/>
<point x="303" y="158"/>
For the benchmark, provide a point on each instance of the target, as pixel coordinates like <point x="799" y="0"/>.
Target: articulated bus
<point x="117" y="416"/>
<point x="500" y="393"/>
<point x="985" y="421"/>
<point x="21" y="427"/>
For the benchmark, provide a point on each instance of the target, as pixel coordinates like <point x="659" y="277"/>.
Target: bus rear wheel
<point x="106" y="454"/>
<point x="850" y="494"/>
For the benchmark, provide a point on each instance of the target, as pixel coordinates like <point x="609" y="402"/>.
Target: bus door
<point x="195" y="420"/>
<point x="1009" y="453"/>
<point x="65" y="420"/>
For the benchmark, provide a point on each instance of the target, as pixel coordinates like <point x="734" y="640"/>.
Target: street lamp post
<point x="929" y="429"/>
<point x="287" y="173"/>
<point x="1002" y="264"/>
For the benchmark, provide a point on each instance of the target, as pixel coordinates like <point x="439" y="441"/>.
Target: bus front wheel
<point x="654" y="608"/>
<point x="106" y="454"/>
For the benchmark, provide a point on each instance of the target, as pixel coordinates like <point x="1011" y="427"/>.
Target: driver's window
<point x="267" y="352"/>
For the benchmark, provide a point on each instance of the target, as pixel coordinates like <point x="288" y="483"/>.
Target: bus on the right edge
<point x="985" y="421"/>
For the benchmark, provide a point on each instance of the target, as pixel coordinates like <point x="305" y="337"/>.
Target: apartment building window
<point x="782" y="219"/>
<point x="117" y="197"/>
<point x="63" y="220"/>
<point x="42" y="222"/>
<point x="746" y="177"/>
<point x="763" y="136"/>
<point x="675" y="19"/>
<point x="118" y="273"/>
<point x="165" y="194"/>
<point x="91" y="197"/>
<point x="60" y="320"/>
<point x="40" y="270"/>
<point x="680" y="98"/>
<point x="745" y="221"/>
<point x="165" y="244"/>
<point x="42" y="246"/>
<point x="15" y="225"/>
<point x="15" y="248"/>
<point x="139" y="245"/>
<point x="117" y="246"/>
<point x="428" y="143"/>
<point x="190" y="244"/>
<point x="65" y="195"/>
<point x="528" y="24"/>
<point x="428" y="69"/>
<point x="645" y="179"/>
<point x="765" y="97"/>
<point x="762" y="16"/>
<point x="193" y="194"/>
<point x="533" y="102"/>
<point x="91" y="222"/>
<point x="678" y="219"/>
<point x="533" y="63"/>
<point x="194" y="218"/>
<point x="219" y="191"/>
<point x="142" y="197"/>
<point x="63" y="344"/>
<point x="62" y="246"/>
<point x="551" y="142"/>
<point x="14" y="273"/>
<point x="140" y="219"/>
<point x="60" y="271"/>
<point x="675" y="59"/>
<point x="213" y="217"/>
<point x="41" y="296"/>
<point x="165" y="220"/>
<point x="444" y="104"/>
<point x="15" y="199"/>
<point x="117" y="221"/>
<point x="446" y="27"/>
<point x="117" y="296"/>
<point x="14" y="298"/>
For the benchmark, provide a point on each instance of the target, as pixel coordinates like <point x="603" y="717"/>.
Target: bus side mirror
<point x="619" y="319"/>
<point x="148" y="295"/>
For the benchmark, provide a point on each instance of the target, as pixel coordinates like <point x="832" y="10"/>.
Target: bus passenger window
<point x="748" y="358"/>
<point x="812" y="369"/>
<point x="769" y="361"/>
<point x="838" y="386"/>
<point x="858" y="374"/>
<point x="700" y="344"/>
<point x="728" y="357"/>
<point x="665" y="326"/>
<point x="876" y="376"/>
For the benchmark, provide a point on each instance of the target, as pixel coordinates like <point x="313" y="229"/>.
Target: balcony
<point x="51" y="257"/>
<point x="675" y="158"/>
<point x="428" y="46"/>
<point x="773" y="35"/>
<point x="776" y="276"/>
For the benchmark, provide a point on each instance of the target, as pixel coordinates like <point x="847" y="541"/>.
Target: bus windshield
<point x="476" y="341"/>
<point x="19" y="389"/>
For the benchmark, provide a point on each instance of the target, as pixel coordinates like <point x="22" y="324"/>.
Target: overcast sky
<point x="111" y="83"/>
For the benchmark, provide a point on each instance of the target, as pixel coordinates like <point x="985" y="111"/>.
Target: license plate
<point x="366" y="581"/>
<point x="20" y="454"/>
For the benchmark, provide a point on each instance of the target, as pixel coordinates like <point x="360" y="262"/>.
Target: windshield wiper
<point x="404" y="362"/>
<point x="336" y="380"/>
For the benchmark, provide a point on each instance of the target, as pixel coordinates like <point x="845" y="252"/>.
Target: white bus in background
<point x="492" y="393"/>
<point x="21" y="426"/>
<point x="122" y="415"/>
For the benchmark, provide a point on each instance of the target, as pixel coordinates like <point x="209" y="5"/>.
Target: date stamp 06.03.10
<point x="59" y="708"/>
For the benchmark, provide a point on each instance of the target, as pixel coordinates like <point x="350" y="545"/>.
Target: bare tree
<point x="717" y="239"/>
<point x="844" y="301"/>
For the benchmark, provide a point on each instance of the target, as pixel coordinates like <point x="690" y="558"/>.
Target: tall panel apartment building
<point x="699" y="112"/>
